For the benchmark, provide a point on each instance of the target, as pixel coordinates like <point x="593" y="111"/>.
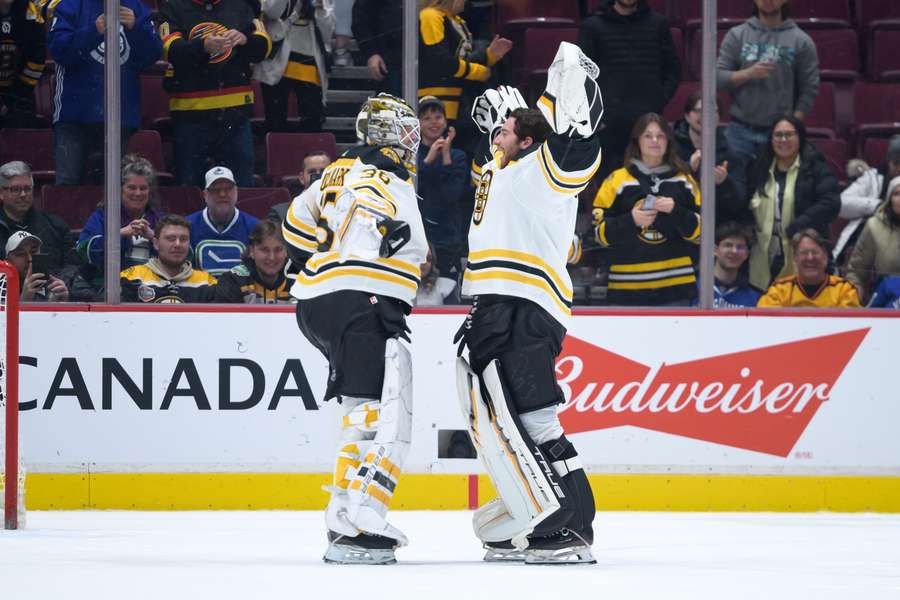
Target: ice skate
<point x="565" y="547"/>
<point x="363" y="549"/>
<point x="503" y="552"/>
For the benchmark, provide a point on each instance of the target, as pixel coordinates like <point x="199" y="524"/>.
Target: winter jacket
<point x="877" y="252"/>
<point x="639" y="68"/>
<point x="77" y="48"/>
<point x="888" y="293"/>
<point x="298" y="32"/>
<point x="378" y="29"/>
<point x="92" y="241"/>
<point x="794" y="84"/>
<point x="835" y="292"/>
<point x="22" y="54"/>
<point x="441" y="191"/>
<point x="56" y="239"/>
<point x="859" y="202"/>
<point x="243" y="284"/>
<point x="150" y="283"/>
<point x="730" y="206"/>
<point x="203" y="87"/>
<point x="739" y="294"/>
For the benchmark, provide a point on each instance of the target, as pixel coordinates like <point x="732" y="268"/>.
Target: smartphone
<point x="649" y="202"/>
<point x="41" y="263"/>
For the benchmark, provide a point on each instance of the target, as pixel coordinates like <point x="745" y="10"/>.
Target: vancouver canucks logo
<point x="204" y="30"/>
<point x="99" y="52"/>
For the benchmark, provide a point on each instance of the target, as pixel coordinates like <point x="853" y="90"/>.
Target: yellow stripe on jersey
<point x="296" y="222"/>
<point x="357" y="271"/>
<point x="296" y="240"/>
<point x="654" y="284"/>
<point x="519" y="277"/>
<point x="327" y="258"/>
<point x="558" y="176"/>
<point x="526" y="258"/>
<point x="302" y="72"/>
<point x="660" y="265"/>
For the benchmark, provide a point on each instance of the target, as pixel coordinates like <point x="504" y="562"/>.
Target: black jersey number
<point x="375" y="173"/>
<point x="481" y="196"/>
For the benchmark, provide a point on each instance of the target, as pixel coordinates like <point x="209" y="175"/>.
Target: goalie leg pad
<point x="529" y="490"/>
<point x="567" y="464"/>
<point x="368" y="471"/>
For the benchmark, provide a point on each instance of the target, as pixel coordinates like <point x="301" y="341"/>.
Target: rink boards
<point x="190" y="408"/>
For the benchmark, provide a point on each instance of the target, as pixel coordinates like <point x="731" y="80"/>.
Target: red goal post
<point x="12" y="480"/>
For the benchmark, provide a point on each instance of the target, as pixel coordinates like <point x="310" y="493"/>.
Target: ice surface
<point x="268" y="555"/>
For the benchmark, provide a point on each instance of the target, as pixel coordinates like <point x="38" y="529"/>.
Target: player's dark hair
<point x="670" y="158"/>
<point x="264" y="229"/>
<point x="170" y="220"/>
<point x="530" y="123"/>
<point x="313" y="153"/>
<point x="730" y="229"/>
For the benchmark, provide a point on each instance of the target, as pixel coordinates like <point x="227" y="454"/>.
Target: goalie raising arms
<point x="358" y="239"/>
<point x="519" y="241"/>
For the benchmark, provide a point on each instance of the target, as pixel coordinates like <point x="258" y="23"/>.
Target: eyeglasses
<point x="18" y="189"/>
<point x="784" y="135"/>
<point x="222" y="189"/>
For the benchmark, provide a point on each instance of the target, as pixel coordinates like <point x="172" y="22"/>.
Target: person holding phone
<point x="648" y="214"/>
<point x="23" y="251"/>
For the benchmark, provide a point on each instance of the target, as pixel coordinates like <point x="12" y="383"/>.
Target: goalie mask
<point x="386" y="120"/>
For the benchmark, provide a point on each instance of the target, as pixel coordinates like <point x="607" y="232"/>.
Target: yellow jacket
<point x="835" y="292"/>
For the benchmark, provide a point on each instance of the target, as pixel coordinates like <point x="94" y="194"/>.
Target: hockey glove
<point x="572" y="103"/>
<point x="394" y="235"/>
<point x="493" y="107"/>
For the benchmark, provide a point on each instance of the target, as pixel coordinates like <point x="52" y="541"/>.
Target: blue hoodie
<point x="77" y="47"/>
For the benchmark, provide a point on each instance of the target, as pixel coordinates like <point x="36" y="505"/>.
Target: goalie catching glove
<point x="572" y="103"/>
<point x="493" y="107"/>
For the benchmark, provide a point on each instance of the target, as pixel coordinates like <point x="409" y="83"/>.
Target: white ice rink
<point x="271" y="555"/>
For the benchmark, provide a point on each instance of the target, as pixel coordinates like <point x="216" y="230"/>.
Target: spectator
<point x="433" y="289"/>
<point x="343" y="33"/>
<point x="447" y="62"/>
<point x="220" y="232"/>
<point x="648" y="213"/>
<point x="732" y="249"/>
<point x="812" y="286"/>
<point x="168" y="278"/>
<point x="863" y="196"/>
<point x="22" y="54"/>
<point x="314" y="164"/>
<point x="259" y="279"/>
<point x="888" y="293"/>
<point x="378" y="29"/>
<point x="211" y="100"/>
<point x="20" y="250"/>
<point x="19" y="214"/>
<point x="770" y="67"/>
<point x="877" y="253"/>
<point x="792" y="189"/>
<point x="443" y="179"/>
<point x="639" y="69"/>
<point x="730" y="204"/>
<point x="297" y="64"/>
<point x="76" y="42"/>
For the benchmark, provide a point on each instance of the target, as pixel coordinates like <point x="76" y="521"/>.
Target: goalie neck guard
<point x="385" y="120"/>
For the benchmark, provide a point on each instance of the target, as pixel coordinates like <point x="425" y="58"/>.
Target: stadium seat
<point x="836" y="156"/>
<point x="35" y="147"/>
<point x="180" y="199"/>
<point x="257" y="201"/>
<point x="285" y="153"/>
<point x="520" y="14"/>
<point x="678" y="42"/>
<point x="875" y="150"/>
<point x="148" y="143"/>
<point x="675" y="108"/>
<point x="838" y="51"/>
<point x="154" y="103"/>
<point x="875" y="111"/>
<point x="818" y="14"/>
<point x="878" y="14"/>
<point x="821" y="122"/>
<point x="728" y="13"/>
<point x="695" y="47"/>
<point x="538" y="52"/>
<point x="885" y="56"/>
<point x="72" y="203"/>
<point x="43" y="96"/>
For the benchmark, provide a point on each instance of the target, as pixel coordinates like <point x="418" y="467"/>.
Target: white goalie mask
<point x="385" y="120"/>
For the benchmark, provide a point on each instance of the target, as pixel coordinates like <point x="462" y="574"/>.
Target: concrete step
<point x="348" y="73"/>
<point x="354" y="97"/>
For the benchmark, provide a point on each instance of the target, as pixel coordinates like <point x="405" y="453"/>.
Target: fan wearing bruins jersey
<point x="520" y="239"/>
<point x="359" y="237"/>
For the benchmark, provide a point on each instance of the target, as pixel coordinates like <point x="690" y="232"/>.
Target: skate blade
<point x="578" y="555"/>
<point x="340" y="554"/>
<point x="504" y="555"/>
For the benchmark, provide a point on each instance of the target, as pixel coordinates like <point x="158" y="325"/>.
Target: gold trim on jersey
<point x="528" y="259"/>
<point x="302" y="72"/>
<point x="518" y="277"/>
<point x="559" y="182"/>
<point x="655" y="284"/>
<point x="327" y="258"/>
<point x="652" y="275"/>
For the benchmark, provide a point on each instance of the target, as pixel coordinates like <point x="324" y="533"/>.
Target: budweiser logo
<point x="760" y="399"/>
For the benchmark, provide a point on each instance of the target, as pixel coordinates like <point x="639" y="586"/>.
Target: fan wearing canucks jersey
<point x="356" y="241"/>
<point x="520" y="239"/>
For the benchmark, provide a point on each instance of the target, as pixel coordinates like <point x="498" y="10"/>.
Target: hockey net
<point x="12" y="473"/>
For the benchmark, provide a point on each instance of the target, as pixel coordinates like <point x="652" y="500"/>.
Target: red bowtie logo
<point x="760" y="399"/>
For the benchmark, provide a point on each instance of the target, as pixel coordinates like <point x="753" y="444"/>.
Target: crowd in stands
<point x="796" y="225"/>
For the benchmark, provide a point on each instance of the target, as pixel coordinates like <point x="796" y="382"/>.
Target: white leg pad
<point x="526" y="494"/>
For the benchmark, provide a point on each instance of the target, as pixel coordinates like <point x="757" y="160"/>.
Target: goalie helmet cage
<point x="12" y="488"/>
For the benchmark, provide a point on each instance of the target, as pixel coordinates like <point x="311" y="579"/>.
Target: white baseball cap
<point x="19" y="238"/>
<point x="217" y="173"/>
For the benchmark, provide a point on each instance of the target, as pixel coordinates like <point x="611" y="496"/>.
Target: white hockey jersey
<point x="335" y="221"/>
<point x="524" y="220"/>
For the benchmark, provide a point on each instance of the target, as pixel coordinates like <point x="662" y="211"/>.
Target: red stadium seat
<point x="838" y="51"/>
<point x="817" y="14"/>
<point x="154" y="103"/>
<point x="821" y="122"/>
<point x="875" y="111"/>
<point x="538" y="52"/>
<point x="678" y="41"/>
<point x="695" y="47"/>
<point x="148" y="143"/>
<point x="180" y="199"/>
<point x="520" y="14"/>
<point x="285" y="152"/>
<point x="875" y="150"/>
<point x="836" y="156"/>
<point x="43" y="96"/>
<point x="258" y="201"/>
<point x="72" y="203"/>
<point x="728" y="13"/>
<point x="878" y="14"/>
<point x="34" y="146"/>
<point x="885" y="55"/>
<point x="675" y="108"/>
